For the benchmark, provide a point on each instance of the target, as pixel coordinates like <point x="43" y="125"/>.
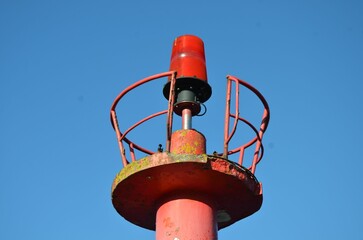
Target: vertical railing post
<point x="169" y="123"/>
<point x="226" y="118"/>
<point x="118" y="136"/>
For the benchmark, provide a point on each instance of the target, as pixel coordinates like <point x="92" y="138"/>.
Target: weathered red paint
<point x="187" y="141"/>
<point x="188" y="212"/>
<point x="183" y="193"/>
<point x="144" y="185"/>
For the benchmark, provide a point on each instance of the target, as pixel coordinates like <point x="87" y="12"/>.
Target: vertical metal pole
<point x="169" y="121"/>
<point x="186" y="119"/>
<point x="226" y="118"/>
<point x="119" y="140"/>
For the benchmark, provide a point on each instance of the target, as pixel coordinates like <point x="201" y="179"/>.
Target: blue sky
<point x="63" y="62"/>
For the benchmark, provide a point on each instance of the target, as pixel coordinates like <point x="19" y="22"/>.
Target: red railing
<point x="121" y="137"/>
<point x="258" y="154"/>
<point x="257" y="140"/>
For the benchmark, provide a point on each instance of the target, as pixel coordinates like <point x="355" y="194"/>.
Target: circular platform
<point x="141" y="187"/>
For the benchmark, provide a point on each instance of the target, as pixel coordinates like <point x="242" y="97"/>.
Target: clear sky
<point x="63" y="62"/>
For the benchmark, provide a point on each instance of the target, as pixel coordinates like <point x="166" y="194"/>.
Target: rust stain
<point x="168" y="223"/>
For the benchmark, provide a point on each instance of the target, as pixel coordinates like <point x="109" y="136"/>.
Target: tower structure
<point x="182" y="192"/>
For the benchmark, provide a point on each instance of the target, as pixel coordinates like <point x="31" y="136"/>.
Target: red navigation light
<point x="188" y="60"/>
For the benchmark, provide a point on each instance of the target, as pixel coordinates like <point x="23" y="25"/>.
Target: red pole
<point x="185" y="218"/>
<point x="186" y="214"/>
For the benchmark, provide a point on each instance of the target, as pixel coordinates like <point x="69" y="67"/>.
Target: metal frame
<point x="228" y="134"/>
<point x="258" y="154"/>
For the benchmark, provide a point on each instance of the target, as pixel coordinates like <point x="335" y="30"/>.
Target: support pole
<point x="184" y="218"/>
<point x="186" y="214"/>
<point x="186" y="119"/>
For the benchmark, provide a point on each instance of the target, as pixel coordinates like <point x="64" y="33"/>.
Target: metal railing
<point x="121" y="137"/>
<point x="258" y="153"/>
<point x="228" y="134"/>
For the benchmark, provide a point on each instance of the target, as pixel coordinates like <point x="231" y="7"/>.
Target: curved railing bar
<point x="259" y="95"/>
<point x="132" y="86"/>
<point x="140" y="122"/>
<point x="246" y="145"/>
<point x="263" y="127"/>
<point x="114" y="121"/>
<point x="123" y="137"/>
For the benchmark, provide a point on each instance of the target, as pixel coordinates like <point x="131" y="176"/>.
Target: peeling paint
<point x="187" y="149"/>
<point x="224" y="174"/>
<point x="155" y="160"/>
